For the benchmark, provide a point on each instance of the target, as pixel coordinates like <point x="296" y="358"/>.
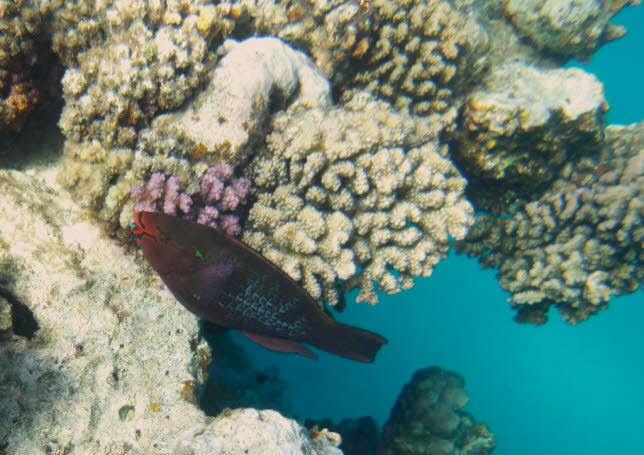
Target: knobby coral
<point x="580" y="242"/>
<point x="427" y="419"/>
<point x="361" y="196"/>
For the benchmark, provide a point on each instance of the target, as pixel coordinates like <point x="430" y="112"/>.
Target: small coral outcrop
<point x="428" y="419"/>
<point x="361" y="196"/>
<point x="521" y="127"/>
<point x="579" y="243"/>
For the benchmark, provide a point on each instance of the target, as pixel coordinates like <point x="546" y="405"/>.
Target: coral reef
<point x="82" y="366"/>
<point x="580" y="242"/>
<point x="363" y="194"/>
<point x="567" y="28"/>
<point x="521" y="127"/>
<point x="427" y="419"/>
<point x="176" y="87"/>
<point x="101" y="176"/>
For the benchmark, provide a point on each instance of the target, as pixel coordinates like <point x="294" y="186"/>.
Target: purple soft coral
<point x="221" y="198"/>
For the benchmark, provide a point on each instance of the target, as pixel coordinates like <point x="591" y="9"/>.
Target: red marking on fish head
<point x="161" y="250"/>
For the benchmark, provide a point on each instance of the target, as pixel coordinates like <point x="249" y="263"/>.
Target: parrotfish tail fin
<point x="350" y="342"/>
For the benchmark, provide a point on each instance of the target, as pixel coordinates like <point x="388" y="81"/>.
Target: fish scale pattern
<point x="259" y="301"/>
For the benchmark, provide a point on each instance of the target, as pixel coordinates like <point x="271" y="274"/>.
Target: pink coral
<point x="221" y="198"/>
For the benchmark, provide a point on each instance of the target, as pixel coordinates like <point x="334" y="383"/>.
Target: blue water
<point x="553" y="389"/>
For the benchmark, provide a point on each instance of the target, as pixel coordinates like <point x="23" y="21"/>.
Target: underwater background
<point x="206" y="110"/>
<point x="551" y="389"/>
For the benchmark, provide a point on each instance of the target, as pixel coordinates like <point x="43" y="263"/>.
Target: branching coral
<point x="218" y="205"/>
<point x="361" y="195"/>
<point x="427" y="419"/>
<point x="144" y="68"/>
<point x="580" y="243"/>
<point x="416" y="55"/>
<point x="521" y="127"/>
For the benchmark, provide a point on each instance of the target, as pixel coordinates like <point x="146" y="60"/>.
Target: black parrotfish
<point x="227" y="283"/>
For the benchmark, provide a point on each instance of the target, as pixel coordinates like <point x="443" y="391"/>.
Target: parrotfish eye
<point x="132" y="225"/>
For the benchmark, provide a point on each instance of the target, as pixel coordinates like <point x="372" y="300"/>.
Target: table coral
<point x="521" y="127"/>
<point x="578" y="244"/>
<point x="360" y="195"/>
<point x="427" y="419"/>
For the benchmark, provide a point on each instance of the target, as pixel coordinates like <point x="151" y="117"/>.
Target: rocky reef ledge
<point x="95" y="354"/>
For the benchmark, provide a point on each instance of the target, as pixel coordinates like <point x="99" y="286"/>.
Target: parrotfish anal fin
<point x="280" y="344"/>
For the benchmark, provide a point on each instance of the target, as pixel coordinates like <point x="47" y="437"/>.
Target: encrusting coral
<point x="427" y="419"/>
<point x="361" y="195"/>
<point x="578" y="244"/>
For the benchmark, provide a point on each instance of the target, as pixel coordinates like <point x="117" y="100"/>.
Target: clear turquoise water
<point x="553" y="389"/>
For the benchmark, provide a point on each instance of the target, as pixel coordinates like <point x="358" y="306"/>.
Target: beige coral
<point x="580" y="243"/>
<point x="360" y="195"/>
<point x="416" y="57"/>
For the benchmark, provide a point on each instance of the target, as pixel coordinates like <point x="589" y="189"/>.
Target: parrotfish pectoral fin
<point x="214" y="277"/>
<point x="280" y="344"/>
